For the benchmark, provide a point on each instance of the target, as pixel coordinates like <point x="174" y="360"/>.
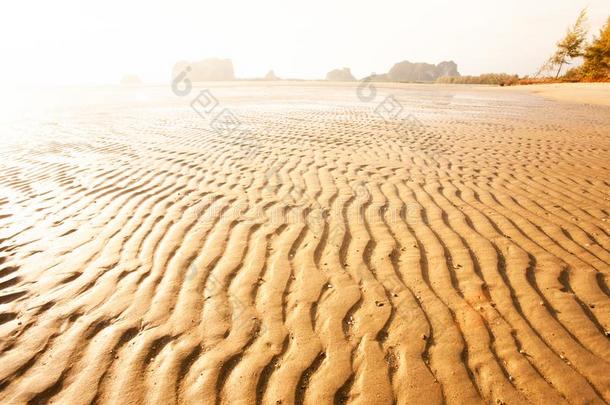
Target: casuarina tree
<point x="571" y="46"/>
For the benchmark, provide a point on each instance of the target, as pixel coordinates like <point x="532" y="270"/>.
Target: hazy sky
<point x="75" y="41"/>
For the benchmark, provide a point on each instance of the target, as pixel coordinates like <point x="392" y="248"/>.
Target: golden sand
<point x="455" y="251"/>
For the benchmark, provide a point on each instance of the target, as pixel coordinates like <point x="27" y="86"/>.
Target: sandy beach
<point x="322" y="243"/>
<point x="580" y="93"/>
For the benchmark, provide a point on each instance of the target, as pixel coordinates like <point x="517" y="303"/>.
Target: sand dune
<point x="324" y="254"/>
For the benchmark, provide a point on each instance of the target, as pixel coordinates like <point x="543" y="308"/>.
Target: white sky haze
<point x="97" y="42"/>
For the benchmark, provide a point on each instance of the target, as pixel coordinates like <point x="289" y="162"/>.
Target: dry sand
<point x="583" y="93"/>
<point x="323" y="256"/>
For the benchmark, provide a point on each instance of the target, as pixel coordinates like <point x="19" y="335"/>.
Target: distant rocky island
<point x="340" y="75"/>
<point x="404" y="71"/>
<point x="271" y="76"/>
<point x="213" y="69"/>
<point x="206" y="70"/>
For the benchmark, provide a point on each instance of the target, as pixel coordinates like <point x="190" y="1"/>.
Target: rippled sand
<point x="325" y="251"/>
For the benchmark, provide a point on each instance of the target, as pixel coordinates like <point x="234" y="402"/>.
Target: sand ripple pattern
<point x="329" y="258"/>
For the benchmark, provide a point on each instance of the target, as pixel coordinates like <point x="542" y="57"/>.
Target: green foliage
<point x="597" y="57"/>
<point x="573" y="75"/>
<point x="501" y="79"/>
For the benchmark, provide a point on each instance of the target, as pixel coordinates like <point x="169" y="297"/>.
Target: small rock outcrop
<point x="206" y="70"/>
<point x="271" y="76"/>
<point x="340" y="75"/>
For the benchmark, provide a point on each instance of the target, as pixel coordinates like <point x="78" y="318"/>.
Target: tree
<point x="597" y="56"/>
<point x="571" y="46"/>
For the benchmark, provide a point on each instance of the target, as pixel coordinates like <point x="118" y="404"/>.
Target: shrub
<point x="498" y="79"/>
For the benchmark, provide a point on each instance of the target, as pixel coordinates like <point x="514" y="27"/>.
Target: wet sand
<point x="454" y="250"/>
